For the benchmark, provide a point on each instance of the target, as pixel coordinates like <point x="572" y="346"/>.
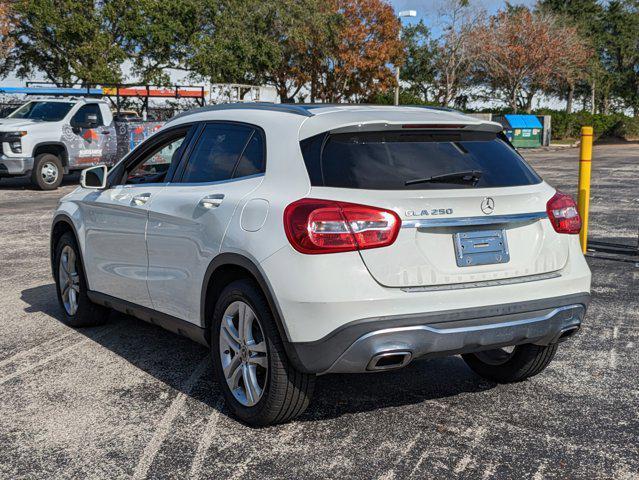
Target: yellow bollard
<point x="585" y="158"/>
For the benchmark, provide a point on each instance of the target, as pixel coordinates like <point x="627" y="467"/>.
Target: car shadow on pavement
<point x="172" y="359"/>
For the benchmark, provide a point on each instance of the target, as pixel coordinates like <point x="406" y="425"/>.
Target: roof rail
<point x="303" y="109"/>
<point x="296" y="109"/>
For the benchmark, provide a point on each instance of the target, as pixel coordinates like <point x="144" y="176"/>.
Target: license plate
<point x="483" y="247"/>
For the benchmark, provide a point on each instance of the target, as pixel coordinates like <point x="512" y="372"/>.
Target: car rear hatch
<point x="472" y="210"/>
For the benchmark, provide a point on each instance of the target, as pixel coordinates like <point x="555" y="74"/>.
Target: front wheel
<point x="47" y="172"/>
<point x="259" y="384"/>
<point x="71" y="286"/>
<point x="511" y="364"/>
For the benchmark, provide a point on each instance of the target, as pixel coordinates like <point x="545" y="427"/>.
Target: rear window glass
<point x="414" y="160"/>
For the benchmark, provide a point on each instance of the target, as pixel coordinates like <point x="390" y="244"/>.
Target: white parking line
<point x="162" y="430"/>
<point x="46" y="360"/>
<point x="24" y="353"/>
<point x="206" y="439"/>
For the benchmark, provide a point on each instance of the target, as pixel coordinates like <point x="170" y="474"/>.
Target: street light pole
<point x="397" y="85"/>
<point x="402" y="14"/>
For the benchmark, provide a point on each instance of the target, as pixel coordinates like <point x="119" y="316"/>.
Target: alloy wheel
<point x="243" y="353"/>
<point x="69" y="280"/>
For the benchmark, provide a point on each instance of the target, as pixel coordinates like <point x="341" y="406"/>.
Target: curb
<point x="551" y="148"/>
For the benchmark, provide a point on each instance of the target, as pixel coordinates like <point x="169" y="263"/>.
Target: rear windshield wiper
<point x="467" y="176"/>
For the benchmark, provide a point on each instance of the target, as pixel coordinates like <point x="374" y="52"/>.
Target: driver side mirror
<point x="94" y="177"/>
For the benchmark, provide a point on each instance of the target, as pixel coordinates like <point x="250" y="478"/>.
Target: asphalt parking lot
<point x="130" y="400"/>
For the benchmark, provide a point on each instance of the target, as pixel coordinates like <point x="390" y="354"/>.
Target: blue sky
<point x="427" y="9"/>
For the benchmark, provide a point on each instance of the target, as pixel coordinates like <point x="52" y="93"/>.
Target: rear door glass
<point x="251" y="161"/>
<point x="388" y="160"/>
<point x="216" y="153"/>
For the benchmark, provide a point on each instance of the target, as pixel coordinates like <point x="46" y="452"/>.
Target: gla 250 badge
<point x="425" y="213"/>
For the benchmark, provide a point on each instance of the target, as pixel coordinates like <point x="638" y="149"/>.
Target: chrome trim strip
<point x="485" y="283"/>
<point x="436" y="338"/>
<point x="474" y="221"/>
<point x="475" y="328"/>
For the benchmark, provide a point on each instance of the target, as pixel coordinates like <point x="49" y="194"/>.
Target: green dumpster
<point x="524" y="131"/>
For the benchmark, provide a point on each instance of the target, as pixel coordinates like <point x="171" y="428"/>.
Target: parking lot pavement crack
<point x="164" y="426"/>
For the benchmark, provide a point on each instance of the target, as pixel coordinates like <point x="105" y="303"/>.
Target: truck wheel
<point x="259" y="384"/>
<point x="514" y="364"/>
<point x="71" y="286"/>
<point x="47" y="172"/>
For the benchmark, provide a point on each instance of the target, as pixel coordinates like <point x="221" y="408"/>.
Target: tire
<point x="86" y="313"/>
<point x="500" y="366"/>
<point x="47" y="171"/>
<point x="285" y="392"/>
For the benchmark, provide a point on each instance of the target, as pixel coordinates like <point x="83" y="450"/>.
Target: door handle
<point x="212" y="201"/>
<point x="141" y="199"/>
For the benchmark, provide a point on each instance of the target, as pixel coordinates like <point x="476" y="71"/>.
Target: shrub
<point x="628" y="128"/>
<point x="568" y="125"/>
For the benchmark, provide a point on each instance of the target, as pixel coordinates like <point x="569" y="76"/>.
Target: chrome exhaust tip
<point x="566" y="333"/>
<point x="389" y="361"/>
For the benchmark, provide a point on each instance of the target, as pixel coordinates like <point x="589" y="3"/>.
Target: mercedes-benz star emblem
<point x="488" y="205"/>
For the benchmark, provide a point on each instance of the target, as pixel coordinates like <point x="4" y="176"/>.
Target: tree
<point x="304" y="32"/>
<point x="587" y="17"/>
<point x="6" y="42"/>
<point x="418" y="68"/>
<point x="365" y="42"/>
<point x="156" y="35"/>
<point x="453" y="51"/>
<point x="613" y="31"/>
<point x="574" y="66"/>
<point x="621" y="30"/>
<point x="235" y="44"/>
<point x="69" y="41"/>
<point x="520" y="52"/>
<point x="333" y="50"/>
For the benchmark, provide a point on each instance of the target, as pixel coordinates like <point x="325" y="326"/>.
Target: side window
<point x="86" y="110"/>
<point x="154" y="166"/>
<point x="216" y="153"/>
<point x="252" y="159"/>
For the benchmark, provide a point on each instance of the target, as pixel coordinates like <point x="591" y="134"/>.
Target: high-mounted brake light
<point x="325" y="226"/>
<point x="433" y="126"/>
<point x="563" y="214"/>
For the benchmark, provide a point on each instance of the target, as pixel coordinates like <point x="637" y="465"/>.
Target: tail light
<point x="563" y="214"/>
<point x="325" y="226"/>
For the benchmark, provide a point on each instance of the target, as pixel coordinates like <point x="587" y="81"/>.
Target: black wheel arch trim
<point x="65" y="153"/>
<point x="63" y="218"/>
<point x="236" y="259"/>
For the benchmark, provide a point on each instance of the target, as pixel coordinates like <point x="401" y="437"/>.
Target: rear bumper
<point x="15" y="166"/>
<point x="354" y="347"/>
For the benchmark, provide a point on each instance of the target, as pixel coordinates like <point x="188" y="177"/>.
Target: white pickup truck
<point x="48" y="138"/>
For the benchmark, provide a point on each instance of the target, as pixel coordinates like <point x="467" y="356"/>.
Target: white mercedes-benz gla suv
<point x="297" y="240"/>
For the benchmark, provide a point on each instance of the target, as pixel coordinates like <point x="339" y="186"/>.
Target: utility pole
<point x="402" y="14"/>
